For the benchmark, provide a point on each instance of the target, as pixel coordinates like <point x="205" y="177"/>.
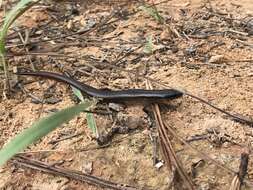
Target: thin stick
<point x="76" y="175"/>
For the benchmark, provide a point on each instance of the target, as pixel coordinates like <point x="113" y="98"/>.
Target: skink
<point x="132" y="95"/>
<point x="110" y="95"/>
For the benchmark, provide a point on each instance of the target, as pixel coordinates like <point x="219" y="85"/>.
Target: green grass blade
<point x="2" y="62"/>
<point x="89" y="116"/>
<point x="15" y="12"/>
<point x="78" y="93"/>
<point x="149" y="46"/>
<point x="152" y="11"/>
<point x="38" y="130"/>
<point x="91" y="123"/>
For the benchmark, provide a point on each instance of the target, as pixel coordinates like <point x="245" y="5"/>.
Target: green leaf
<point x="152" y="11"/>
<point x="38" y="130"/>
<point x="148" y="48"/>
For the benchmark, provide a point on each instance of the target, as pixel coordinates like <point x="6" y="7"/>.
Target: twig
<point x="25" y="41"/>
<point x="76" y="175"/>
<point x="243" y="166"/>
<point x="245" y="43"/>
<point x="81" y="32"/>
<point x="87" y="31"/>
<point x="236" y="117"/>
<point x="64" y="138"/>
<point x="237" y="32"/>
<point x="169" y="150"/>
<point x="169" y="153"/>
<point x="204" y="156"/>
<point x="238" y="179"/>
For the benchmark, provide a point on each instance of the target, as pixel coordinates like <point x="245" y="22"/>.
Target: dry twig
<point x="239" y="177"/>
<point x="76" y="175"/>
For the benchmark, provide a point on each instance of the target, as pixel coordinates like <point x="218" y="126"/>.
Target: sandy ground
<point x="210" y="56"/>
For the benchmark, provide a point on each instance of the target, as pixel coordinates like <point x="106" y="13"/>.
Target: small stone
<point x="166" y="35"/>
<point x="70" y="24"/>
<point x="87" y="168"/>
<point x="217" y="59"/>
<point x="159" y="165"/>
<point x="52" y="100"/>
<point x="250" y="74"/>
<point x="116" y="107"/>
<point x="134" y="122"/>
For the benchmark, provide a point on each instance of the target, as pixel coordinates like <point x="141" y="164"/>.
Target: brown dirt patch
<point x="221" y="31"/>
